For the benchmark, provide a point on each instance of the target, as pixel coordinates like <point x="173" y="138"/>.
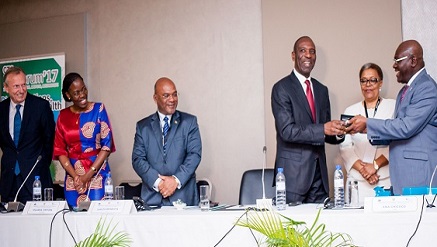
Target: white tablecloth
<point x="191" y="227"/>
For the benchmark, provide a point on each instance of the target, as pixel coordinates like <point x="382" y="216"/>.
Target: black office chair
<point x="131" y="189"/>
<point x="251" y="186"/>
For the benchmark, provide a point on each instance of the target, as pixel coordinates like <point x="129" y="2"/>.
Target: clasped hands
<point x="167" y="186"/>
<point x="357" y="124"/>
<point x="367" y="171"/>
<point x="79" y="184"/>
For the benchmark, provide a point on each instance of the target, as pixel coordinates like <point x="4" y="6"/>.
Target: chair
<point x="251" y="186"/>
<point x="131" y="189"/>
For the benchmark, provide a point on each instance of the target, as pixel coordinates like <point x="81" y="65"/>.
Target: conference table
<point x="191" y="227"/>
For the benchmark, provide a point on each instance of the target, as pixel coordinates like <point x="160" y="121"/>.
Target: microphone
<point x="18" y="206"/>
<point x="430" y="190"/>
<point x="264" y="203"/>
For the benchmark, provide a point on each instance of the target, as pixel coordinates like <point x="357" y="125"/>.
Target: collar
<point x="161" y="117"/>
<point x="13" y="105"/>
<point x="301" y="78"/>
<point x="414" y="76"/>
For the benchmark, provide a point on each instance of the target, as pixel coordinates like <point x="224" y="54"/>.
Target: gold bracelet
<point x="94" y="169"/>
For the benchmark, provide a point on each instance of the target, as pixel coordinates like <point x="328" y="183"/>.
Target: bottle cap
<point x="280" y="169"/>
<point x="338" y="167"/>
<point x="36" y="177"/>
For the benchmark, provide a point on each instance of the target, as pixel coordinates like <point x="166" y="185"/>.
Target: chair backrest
<point x="131" y="189"/>
<point x="251" y="186"/>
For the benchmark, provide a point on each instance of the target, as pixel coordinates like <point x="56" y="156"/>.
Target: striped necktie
<point x="165" y="132"/>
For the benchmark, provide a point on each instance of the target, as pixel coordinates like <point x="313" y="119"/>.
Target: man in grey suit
<point x="412" y="134"/>
<point x="167" y="150"/>
<point x="303" y="123"/>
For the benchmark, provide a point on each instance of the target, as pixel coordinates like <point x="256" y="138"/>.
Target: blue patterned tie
<point x="17" y="128"/>
<point x="164" y="132"/>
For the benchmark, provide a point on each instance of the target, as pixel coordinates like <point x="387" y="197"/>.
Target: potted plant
<point x="280" y="231"/>
<point x="104" y="236"/>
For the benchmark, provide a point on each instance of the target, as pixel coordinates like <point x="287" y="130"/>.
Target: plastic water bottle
<point x="281" y="201"/>
<point x="109" y="187"/>
<point x="338" y="187"/>
<point x="37" y="189"/>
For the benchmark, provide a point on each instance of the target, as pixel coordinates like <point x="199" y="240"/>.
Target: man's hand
<point x="167" y="186"/>
<point x="334" y="127"/>
<point x="358" y="124"/>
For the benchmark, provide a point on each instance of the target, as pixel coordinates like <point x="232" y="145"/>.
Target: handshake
<point x="346" y="125"/>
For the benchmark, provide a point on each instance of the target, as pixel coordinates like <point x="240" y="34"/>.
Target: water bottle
<point x="37" y="189"/>
<point x="338" y="187"/>
<point x="281" y="201"/>
<point x="109" y="187"/>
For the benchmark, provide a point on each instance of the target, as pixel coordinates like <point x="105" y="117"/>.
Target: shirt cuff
<point x="177" y="181"/>
<point x="156" y="184"/>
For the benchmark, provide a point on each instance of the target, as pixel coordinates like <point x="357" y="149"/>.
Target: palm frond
<point x="104" y="236"/>
<point x="280" y="230"/>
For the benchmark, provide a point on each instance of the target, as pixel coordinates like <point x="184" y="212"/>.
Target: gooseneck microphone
<point x="264" y="167"/>
<point x="18" y="206"/>
<point x="431" y="205"/>
<point x="264" y="203"/>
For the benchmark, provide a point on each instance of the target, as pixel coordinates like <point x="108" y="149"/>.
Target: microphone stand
<point x="264" y="203"/>
<point x="18" y="206"/>
<point x="431" y="205"/>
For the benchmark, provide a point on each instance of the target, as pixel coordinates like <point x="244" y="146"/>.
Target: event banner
<point x="44" y="76"/>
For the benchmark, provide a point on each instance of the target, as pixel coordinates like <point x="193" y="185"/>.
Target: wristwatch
<point x="375" y="165"/>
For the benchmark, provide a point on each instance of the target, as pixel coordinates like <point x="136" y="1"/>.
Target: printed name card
<point x="391" y="204"/>
<point x="112" y="207"/>
<point x="44" y="207"/>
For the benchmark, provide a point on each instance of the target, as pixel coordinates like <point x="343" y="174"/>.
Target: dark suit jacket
<point x="184" y="150"/>
<point x="300" y="142"/>
<point x="36" y="138"/>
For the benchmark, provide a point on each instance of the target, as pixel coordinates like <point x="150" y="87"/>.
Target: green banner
<point x="44" y="76"/>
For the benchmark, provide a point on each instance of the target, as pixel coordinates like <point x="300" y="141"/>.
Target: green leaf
<point x="104" y="236"/>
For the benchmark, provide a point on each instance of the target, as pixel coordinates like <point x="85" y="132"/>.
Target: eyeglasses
<point x="372" y="81"/>
<point x="397" y="60"/>
<point x="167" y="96"/>
<point x="77" y="93"/>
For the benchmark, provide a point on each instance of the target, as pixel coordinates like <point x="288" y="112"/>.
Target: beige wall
<point x="224" y="57"/>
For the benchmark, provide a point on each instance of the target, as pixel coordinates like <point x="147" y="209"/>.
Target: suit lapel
<point x="25" y="119"/>
<point x="157" y="131"/>
<point x="317" y="92"/>
<point x="175" y="121"/>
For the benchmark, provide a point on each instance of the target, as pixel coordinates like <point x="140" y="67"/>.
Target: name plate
<point x="112" y="207"/>
<point x="44" y="207"/>
<point x="391" y="204"/>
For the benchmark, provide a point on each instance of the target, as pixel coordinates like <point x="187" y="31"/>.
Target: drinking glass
<point x="48" y="194"/>
<point x="119" y="193"/>
<point x="204" y="197"/>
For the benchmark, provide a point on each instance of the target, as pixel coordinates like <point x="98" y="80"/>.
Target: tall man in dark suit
<point x="412" y="133"/>
<point x="303" y="123"/>
<point x="167" y="150"/>
<point x="21" y="146"/>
